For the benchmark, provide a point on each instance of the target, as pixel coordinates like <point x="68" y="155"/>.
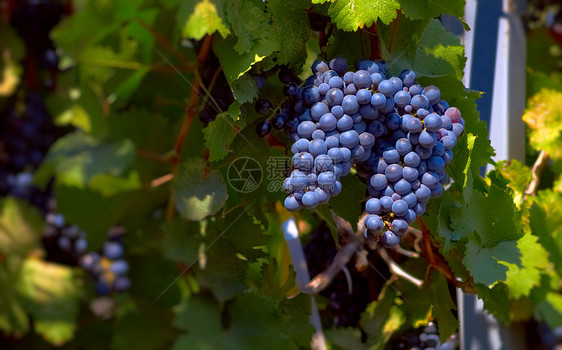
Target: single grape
<point x="393" y="172"/>
<point x="344" y="123"/>
<point x="291" y="203"/>
<point x="113" y="250"/>
<point x="419" y="101"/>
<point x="373" y="206"/>
<point x="379" y="181"/>
<point x="263" y="128"/>
<point x="379" y="165"/>
<point x="388" y="105"/>
<point x="263" y="106"/>
<point x="399" y="207"/>
<point x="323" y="196"/>
<point x="430" y="179"/>
<point x="310" y="200"/>
<point x="332" y="141"/>
<point x="390" y="240"/>
<point x="458" y="129"/>
<point x="410" y="173"/>
<point x="408" y="77"/>
<point x="415" y="89"/>
<point x="339" y="64"/>
<point x="122" y="283"/>
<point x="410" y="199"/>
<point x="386" y="203"/>
<point x="363" y="96"/>
<point x="366" y="140"/>
<point x="119" y="267"/>
<point x="350" y="89"/>
<point x="413" y="125"/>
<point x="349" y="139"/>
<point x="403" y="146"/>
<point x="279" y="121"/>
<point x="393" y="121"/>
<point x="334" y="97"/>
<point x="303" y="161"/>
<point x="350" y="104"/>
<point x="387" y="88"/>
<point x="402" y="186"/>
<point x="432" y="93"/>
<point x="348" y="77"/>
<point x="328" y="122"/>
<point x="454" y="114"/>
<point x="399" y="227"/>
<point x="402" y="98"/>
<point x="318" y="110"/>
<point x="412" y="159"/>
<point x="391" y="155"/>
<point x="427" y="140"/>
<point x="374" y="223"/>
<point x="432" y="122"/>
<point x="290" y="89"/>
<point x="305" y="129"/>
<point x="435" y="163"/>
<point x="337" y="111"/>
<point x="317" y="147"/>
<point x="423" y="193"/>
<point x="378" y="100"/>
<point x="362" y="79"/>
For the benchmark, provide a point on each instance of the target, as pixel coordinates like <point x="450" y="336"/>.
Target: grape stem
<point x="536" y="170"/>
<point x="438" y="262"/>
<point x="394" y="34"/>
<point x="159" y="181"/>
<point x="188" y="119"/>
<point x="374" y="41"/>
<point x="397" y="269"/>
<point x="407" y="253"/>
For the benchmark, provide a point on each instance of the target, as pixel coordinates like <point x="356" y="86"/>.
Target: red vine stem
<point x="188" y="119"/>
<point x="394" y="34"/>
<point x="439" y="263"/>
<point x="373" y="32"/>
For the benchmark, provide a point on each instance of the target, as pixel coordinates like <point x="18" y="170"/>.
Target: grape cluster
<point x="109" y="269"/>
<point x="25" y="138"/>
<point x="398" y="133"/>
<point x="67" y="244"/>
<point x="292" y="106"/>
<point x="220" y="95"/>
<point x="63" y="243"/>
<point x="426" y="339"/>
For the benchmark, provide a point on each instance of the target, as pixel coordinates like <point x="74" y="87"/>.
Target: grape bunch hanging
<point x="399" y="134"/>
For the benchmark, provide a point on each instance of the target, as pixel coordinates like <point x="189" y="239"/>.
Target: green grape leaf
<point x="543" y="117"/>
<point x="13" y="318"/>
<point x="12" y="51"/>
<point x="534" y="259"/>
<point x="50" y="293"/>
<point x="249" y="22"/>
<point x="346" y="338"/>
<point x="442" y="306"/>
<point x="255" y="322"/>
<point x="550" y="309"/>
<point x="491" y="218"/>
<point x="356" y="14"/>
<point x="77" y="157"/>
<point x="204" y="18"/>
<point x="348" y="203"/>
<point x="198" y="191"/>
<point x="148" y="317"/>
<point x="243" y="86"/>
<point x="545" y="221"/>
<point x="518" y="176"/>
<point x="21" y="227"/>
<point x="488" y="265"/>
<point x="73" y="202"/>
<point x="382" y="317"/>
<point x="220" y="133"/>
<point x="439" y="53"/>
<point x="415" y="9"/>
<point x="290" y="28"/>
